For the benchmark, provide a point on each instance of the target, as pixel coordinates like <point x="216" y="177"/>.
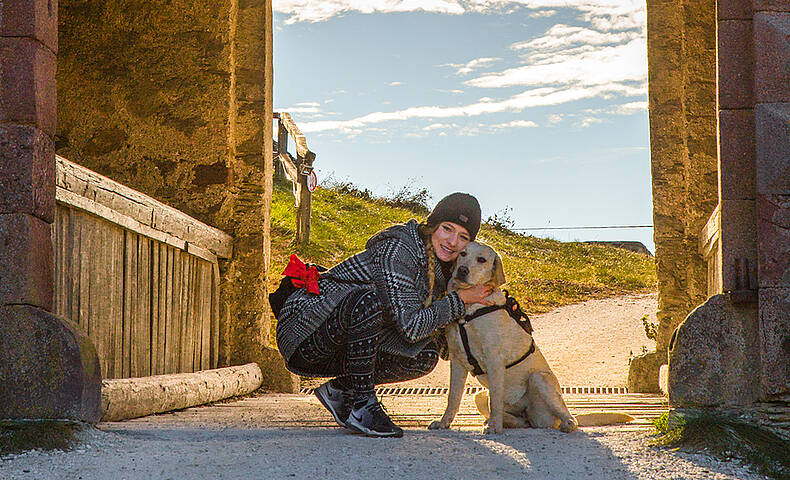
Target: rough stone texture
<point x="30" y="18"/>
<point x="734" y="9"/>
<point x="174" y="100"/>
<point x="27" y="172"/>
<point x="682" y="97"/>
<point x="736" y="64"/>
<point x="739" y="244"/>
<point x="30" y="98"/>
<point x="643" y="372"/>
<point x="737" y="155"/>
<point x="712" y="360"/>
<point x="26" y="268"/>
<point x="774" y="240"/>
<point x="772" y="5"/>
<point x="54" y="371"/>
<point x="775" y="339"/>
<point x="773" y="136"/>
<point x="772" y="75"/>
<point x="138" y="397"/>
<point x="275" y="376"/>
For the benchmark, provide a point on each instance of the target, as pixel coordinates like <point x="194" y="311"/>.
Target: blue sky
<point x="535" y="106"/>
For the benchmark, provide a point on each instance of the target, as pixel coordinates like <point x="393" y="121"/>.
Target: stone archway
<point x="720" y="144"/>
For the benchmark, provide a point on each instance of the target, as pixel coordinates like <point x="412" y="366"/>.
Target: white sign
<point x="312" y="181"/>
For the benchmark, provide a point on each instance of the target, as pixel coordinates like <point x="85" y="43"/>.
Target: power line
<point x="581" y="228"/>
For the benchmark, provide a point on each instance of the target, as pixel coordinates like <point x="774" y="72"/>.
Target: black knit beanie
<point x="459" y="208"/>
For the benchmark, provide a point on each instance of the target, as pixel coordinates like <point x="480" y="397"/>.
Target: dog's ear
<point x="498" y="275"/>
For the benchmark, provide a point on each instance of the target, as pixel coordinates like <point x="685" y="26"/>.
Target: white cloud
<point x="543" y="14"/>
<point x="469" y="67"/>
<point x="601" y="14"/>
<point x="437" y="126"/>
<point x="516" y="124"/>
<point x="630" y="108"/>
<point x="536" y="97"/>
<point x="602" y="66"/>
<point x="322" y="10"/>
<point x="562" y="36"/>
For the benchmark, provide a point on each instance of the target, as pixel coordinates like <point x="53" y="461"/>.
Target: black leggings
<point x="346" y="347"/>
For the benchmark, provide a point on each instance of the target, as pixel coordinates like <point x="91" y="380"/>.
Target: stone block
<point x="772" y="57"/>
<point x="26" y="261"/>
<point x="36" y="19"/>
<point x="28" y="93"/>
<point x="738" y="244"/>
<point x="737" y="154"/>
<point x="643" y="372"/>
<point x="48" y="368"/>
<point x="775" y="339"/>
<point x="712" y="359"/>
<point x="772" y="134"/>
<point x="736" y="64"/>
<point x="27" y="172"/>
<point x="734" y="9"/>
<point x="772" y="5"/>
<point x="276" y="378"/>
<point x="774" y="240"/>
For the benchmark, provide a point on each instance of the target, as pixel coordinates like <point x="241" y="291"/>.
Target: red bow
<point x="301" y="275"/>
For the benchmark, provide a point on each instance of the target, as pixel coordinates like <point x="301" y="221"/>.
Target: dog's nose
<point x="463" y="271"/>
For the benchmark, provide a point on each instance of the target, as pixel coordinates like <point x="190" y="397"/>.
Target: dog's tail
<point x="599" y="419"/>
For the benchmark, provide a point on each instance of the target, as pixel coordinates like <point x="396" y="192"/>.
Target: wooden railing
<point x="139" y="277"/>
<point x="710" y="249"/>
<point x="297" y="169"/>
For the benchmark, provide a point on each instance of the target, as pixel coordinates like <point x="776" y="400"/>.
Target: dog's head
<point x="478" y="264"/>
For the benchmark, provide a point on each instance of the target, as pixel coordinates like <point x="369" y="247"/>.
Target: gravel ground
<point x="286" y="436"/>
<point x="193" y="451"/>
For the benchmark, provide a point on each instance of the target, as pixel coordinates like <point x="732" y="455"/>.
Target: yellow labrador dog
<point x="523" y="390"/>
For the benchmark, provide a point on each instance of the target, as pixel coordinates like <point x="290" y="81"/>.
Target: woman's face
<point x="449" y="240"/>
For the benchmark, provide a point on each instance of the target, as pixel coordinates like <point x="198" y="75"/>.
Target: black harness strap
<point x="515" y="312"/>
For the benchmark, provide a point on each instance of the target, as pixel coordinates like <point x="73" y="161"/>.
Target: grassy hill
<point x="542" y="274"/>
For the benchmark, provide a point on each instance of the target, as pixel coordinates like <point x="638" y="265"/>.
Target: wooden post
<point x="303" y="209"/>
<point x="282" y="147"/>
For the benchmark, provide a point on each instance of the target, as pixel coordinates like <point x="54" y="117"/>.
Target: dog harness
<point x="514" y="310"/>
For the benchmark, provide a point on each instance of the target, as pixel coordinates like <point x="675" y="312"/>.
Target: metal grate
<point x="382" y="391"/>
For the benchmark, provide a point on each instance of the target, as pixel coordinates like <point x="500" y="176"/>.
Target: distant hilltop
<point x="637" y="247"/>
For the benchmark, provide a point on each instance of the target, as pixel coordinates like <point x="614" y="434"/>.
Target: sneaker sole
<point x="372" y="433"/>
<point x="326" y="405"/>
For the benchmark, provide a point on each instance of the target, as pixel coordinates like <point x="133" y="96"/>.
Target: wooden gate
<point x="139" y="277"/>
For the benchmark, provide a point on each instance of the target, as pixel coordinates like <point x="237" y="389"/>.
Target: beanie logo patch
<point x="463" y="218"/>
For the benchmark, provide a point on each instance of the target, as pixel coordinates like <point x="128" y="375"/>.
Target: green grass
<point x="727" y="437"/>
<point x="23" y="436"/>
<point x="543" y="274"/>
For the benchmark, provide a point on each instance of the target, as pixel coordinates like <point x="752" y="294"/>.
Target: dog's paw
<point x="568" y="425"/>
<point x="488" y="430"/>
<point x="438" y="425"/>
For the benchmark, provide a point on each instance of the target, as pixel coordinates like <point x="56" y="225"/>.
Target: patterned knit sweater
<point x="394" y="264"/>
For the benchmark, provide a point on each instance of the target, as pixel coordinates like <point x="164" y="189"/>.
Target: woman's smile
<point x="448" y="241"/>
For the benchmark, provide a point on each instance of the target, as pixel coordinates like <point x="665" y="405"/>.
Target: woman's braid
<point x="426" y="231"/>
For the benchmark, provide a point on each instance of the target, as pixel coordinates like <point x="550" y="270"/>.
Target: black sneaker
<point x="337" y="401"/>
<point x="371" y="420"/>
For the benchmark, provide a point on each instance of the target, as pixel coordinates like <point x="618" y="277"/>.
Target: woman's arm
<point x="394" y="275"/>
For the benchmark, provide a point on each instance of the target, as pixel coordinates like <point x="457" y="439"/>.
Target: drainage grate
<point x="382" y="391"/>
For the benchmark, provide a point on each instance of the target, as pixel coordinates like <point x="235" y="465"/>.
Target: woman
<point x="376" y="314"/>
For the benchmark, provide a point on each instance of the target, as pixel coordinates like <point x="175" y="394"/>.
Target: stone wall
<point x="174" y="99"/>
<point x="682" y="99"/>
<point x="48" y="368"/>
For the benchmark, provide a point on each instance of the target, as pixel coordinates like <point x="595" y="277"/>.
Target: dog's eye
<point x="463" y="254"/>
<point x="481" y="260"/>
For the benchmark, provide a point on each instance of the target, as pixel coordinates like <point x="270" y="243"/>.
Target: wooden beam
<point x="86" y="190"/>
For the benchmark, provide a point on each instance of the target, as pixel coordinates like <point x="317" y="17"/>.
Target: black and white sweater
<point x="394" y="264"/>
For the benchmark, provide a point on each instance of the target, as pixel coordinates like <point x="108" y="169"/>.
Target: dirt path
<point x="586" y="344"/>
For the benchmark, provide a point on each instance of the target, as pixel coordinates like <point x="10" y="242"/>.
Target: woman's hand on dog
<point x="476" y="294"/>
